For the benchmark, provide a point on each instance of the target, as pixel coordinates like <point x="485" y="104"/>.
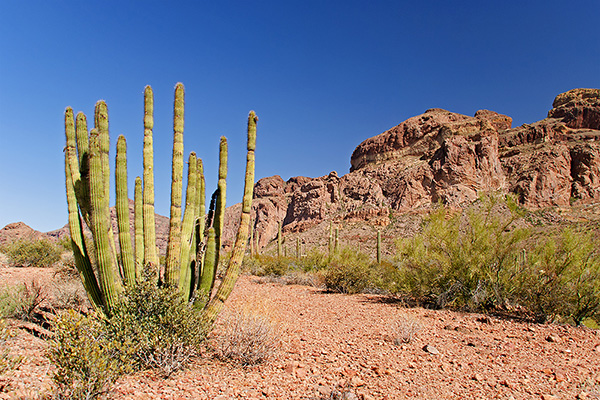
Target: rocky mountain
<point x="438" y="156"/>
<point x="441" y="156"/>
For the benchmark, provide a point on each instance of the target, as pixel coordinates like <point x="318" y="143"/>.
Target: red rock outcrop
<point x="448" y="157"/>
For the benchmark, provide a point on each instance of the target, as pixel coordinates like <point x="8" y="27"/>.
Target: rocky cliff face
<point x="446" y="157"/>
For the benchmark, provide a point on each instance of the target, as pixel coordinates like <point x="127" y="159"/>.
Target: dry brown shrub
<point x="247" y="335"/>
<point x="404" y="329"/>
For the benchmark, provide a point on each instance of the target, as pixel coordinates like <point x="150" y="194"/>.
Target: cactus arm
<point x="150" y="255"/>
<point x="216" y="304"/>
<point x="109" y="285"/>
<point x="122" y="205"/>
<point x="101" y="124"/>
<point x="187" y="229"/>
<point x="80" y="254"/>
<point x="138" y="228"/>
<point x="201" y="201"/>
<point x="219" y="216"/>
<point x="208" y="269"/>
<point x="172" y="268"/>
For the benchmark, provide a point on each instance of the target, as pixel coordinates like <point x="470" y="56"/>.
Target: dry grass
<point x="404" y="329"/>
<point x="247" y="335"/>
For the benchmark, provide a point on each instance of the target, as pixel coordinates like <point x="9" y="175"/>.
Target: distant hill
<point x="436" y="157"/>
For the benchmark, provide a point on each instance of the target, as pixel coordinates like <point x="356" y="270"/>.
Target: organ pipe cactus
<point x="194" y="239"/>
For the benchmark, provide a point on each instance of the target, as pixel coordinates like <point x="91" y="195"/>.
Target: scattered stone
<point x="552" y="338"/>
<point x="430" y="349"/>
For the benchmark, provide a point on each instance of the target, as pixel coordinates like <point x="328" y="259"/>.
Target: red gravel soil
<point x="335" y="346"/>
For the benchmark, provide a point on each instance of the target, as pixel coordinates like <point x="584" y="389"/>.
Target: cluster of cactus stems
<point x="194" y="237"/>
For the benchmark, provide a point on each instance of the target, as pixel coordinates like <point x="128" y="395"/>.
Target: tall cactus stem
<point x="187" y="229"/>
<point x="82" y="187"/>
<point x="298" y="247"/>
<point x="80" y="253"/>
<point x="219" y="217"/>
<point x="172" y="267"/>
<point x="122" y="206"/>
<point x="208" y="269"/>
<point x="138" y="228"/>
<point x="232" y="273"/>
<point x="109" y="285"/>
<point x="336" y="248"/>
<point x="150" y="254"/>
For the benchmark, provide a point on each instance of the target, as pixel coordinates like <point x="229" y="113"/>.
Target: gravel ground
<point x="334" y="346"/>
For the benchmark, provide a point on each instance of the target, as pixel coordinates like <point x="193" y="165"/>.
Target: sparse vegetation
<point x="404" y="329"/>
<point x="159" y="329"/>
<point x="8" y="362"/>
<point x="87" y="361"/>
<point x="32" y="253"/>
<point x="248" y="335"/>
<point x="21" y="302"/>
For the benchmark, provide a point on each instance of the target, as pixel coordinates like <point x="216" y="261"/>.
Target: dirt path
<point x="333" y="344"/>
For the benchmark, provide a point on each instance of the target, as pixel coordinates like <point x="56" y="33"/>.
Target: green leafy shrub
<point x="161" y="330"/>
<point x="32" y="253"/>
<point x="561" y="277"/>
<point x="87" y="361"/>
<point x="465" y="260"/>
<point x="349" y="272"/>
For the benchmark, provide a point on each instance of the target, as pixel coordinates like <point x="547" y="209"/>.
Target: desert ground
<point x="335" y="346"/>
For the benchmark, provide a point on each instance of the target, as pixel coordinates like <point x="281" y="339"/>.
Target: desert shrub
<point x="404" y="329"/>
<point x="560" y="276"/>
<point x="87" y="361"/>
<point x="248" y="335"/>
<point x="8" y="362"/>
<point x="70" y="294"/>
<point x="349" y="272"/>
<point x="32" y="253"/>
<point x="161" y="330"/>
<point x="22" y="301"/>
<point x="467" y="259"/>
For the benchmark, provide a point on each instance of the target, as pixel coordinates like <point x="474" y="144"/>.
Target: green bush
<point x="87" y="361"/>
<point x="32" y="253"/>
<point x="159" y="328"/>
<point x="561" y="277"/>
<point x="349" y="272"/>
<point x="465" y="260"/>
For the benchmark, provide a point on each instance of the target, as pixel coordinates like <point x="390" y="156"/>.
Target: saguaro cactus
<point x="194" y="241"/>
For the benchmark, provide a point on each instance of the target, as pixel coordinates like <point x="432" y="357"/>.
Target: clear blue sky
<point x="321" y="75"/>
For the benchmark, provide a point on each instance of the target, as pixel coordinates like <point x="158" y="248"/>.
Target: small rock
<point x="478" y="378"/>
<point x="430" y="349"/>
<point x="597" y="348"/>
<point x="356" y="381"/>
<point x="549" y="397"/>
<point x="552" y="338"/>
<point x="559" y="377"/>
